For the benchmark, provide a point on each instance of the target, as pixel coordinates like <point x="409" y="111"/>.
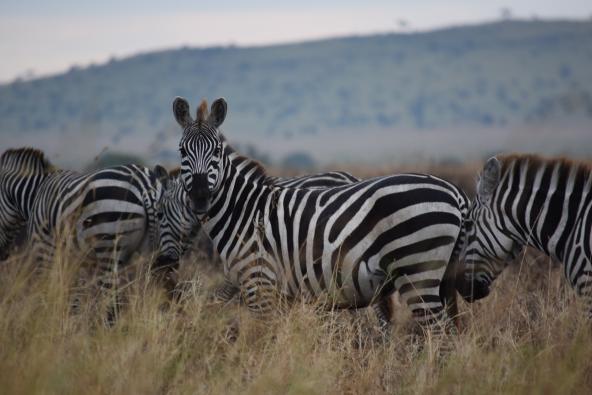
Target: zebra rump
<point x="106" y="215"/>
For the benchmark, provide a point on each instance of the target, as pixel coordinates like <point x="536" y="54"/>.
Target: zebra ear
<point x="217" y="112"/>
<point x="490" y="177"/>
<point x="162" y="175"/>
<point x="181" y="111"/>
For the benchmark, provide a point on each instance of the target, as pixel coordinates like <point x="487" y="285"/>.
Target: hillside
<point x="392" y="88"/>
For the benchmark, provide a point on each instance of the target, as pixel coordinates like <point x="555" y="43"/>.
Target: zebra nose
<point x="472" y="290"/>
<point x="200" y="193"/>
<point x="164" y="261"/>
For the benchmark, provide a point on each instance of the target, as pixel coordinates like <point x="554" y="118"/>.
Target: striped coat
<point x="350" y="246"/>
<point x="545" y="203"/>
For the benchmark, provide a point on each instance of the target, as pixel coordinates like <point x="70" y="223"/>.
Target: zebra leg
<point x="584" y="290"/>
<point x="225" y="292"/>
<point x="165" y="272"/>
<point x="109" y="284"/>
<point x="448" y="291"/>
<point x="384" y="313"/>
<point x="259" y="289"/>
<point x="429" y="310"/>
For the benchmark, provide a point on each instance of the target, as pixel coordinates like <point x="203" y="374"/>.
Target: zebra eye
<point x="160" y="215"/>
<point x="182" y="151"/>
<point x="217" y="151"/>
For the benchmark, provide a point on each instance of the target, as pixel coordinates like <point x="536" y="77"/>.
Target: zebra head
<point x="178" y="224"/>
<point x="201" y="147"/>
<point x="488" y="248"/>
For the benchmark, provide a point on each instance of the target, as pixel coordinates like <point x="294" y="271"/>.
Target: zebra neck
<point x="23" y="192"/>
<point x="235" y="206"/>
<point x="540" y="206"/>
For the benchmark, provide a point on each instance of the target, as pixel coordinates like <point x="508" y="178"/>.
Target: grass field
<point x="529" y="336"/>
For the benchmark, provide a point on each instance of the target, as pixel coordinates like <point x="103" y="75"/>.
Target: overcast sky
<point x="46" y="37"/>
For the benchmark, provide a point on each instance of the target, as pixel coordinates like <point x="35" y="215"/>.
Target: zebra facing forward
<point x="525" y="200"/>
<point x="350" y="245"/>
<point x="106" y="215"/>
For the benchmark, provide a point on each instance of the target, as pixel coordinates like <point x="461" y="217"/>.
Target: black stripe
<point x="109" y="216"/>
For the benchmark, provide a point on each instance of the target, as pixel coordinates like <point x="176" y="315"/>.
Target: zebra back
<point x="112" y="211"/>
<point x="180" y="226"/>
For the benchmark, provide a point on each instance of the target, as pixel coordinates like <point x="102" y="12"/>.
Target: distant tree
<point x="506" y="13"/>
<point x="298" y="161"/>
<point x="252" y="152"/>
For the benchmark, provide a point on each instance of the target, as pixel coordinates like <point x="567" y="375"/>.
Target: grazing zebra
<point x="351" y="245"/>
<point x="106" y="215"/>
<point x="545" y="203"/>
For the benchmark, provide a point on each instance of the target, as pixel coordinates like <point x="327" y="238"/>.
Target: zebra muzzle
<point x="200" y="194"/>
<point x="471" y="290"/>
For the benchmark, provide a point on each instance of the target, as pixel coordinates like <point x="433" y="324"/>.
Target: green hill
<point x="485" y="77"/>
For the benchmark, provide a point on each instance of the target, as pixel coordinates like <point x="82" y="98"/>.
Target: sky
<point x="40" y="38"/>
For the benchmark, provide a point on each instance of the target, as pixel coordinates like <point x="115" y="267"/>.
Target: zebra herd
<point x="329" y="237"/>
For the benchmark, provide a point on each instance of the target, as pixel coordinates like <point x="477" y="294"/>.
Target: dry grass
<point x="527" y="337"/>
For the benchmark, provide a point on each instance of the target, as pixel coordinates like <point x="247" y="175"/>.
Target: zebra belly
<point x="360" y="284"/>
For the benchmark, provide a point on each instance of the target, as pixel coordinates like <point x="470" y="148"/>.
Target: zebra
<point x="179" y="227"/>
<point x="527" y="200"/>
<point x="106" y="215"/>
<point x="350" y="245"/>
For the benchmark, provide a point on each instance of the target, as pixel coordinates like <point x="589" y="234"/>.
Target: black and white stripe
<point x="105" y="215"/>
<point x="109" y="213"/>
<point x="527" y="200"/>
<point x="21" y="173"/>
<point x="179" y="226"/>
<point x="350" y="245"/>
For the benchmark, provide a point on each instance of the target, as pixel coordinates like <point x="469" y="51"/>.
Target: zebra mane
<point x="582" y="169"/>
<point x="202" y="111"/>
<point x="259" y="173"/>
<point x="25" y="160"/>
<point x="539" y="161"/>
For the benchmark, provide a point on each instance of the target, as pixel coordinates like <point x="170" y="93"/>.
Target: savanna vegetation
<point x="528" y="336"/>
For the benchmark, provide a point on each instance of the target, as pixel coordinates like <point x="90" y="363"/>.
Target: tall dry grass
<point x="527" y="337"/>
